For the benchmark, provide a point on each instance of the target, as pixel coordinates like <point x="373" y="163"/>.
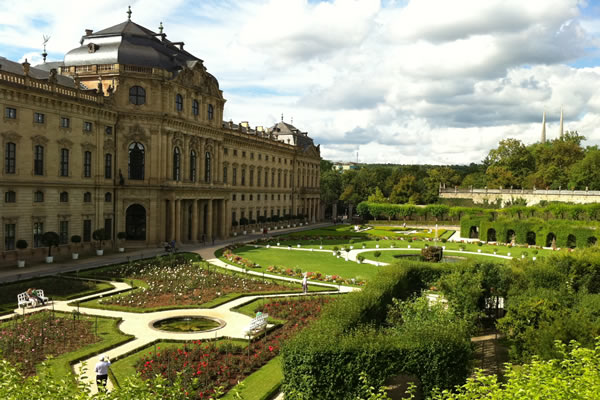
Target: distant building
<point x="345" y="166"/>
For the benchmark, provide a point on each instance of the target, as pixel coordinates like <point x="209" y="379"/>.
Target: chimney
<point x="88" y="32"/>
<point x="244" y="124"/>
<point x="26" y="67"/>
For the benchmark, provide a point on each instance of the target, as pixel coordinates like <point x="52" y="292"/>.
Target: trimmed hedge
<point x="324" y="361"/>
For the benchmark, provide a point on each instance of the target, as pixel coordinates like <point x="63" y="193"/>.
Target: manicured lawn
<point x="55" y="287"/>
<point x="388" y="256"/>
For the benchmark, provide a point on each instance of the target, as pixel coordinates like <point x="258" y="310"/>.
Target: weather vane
<point x="129" y="13"/>
<point x="45" y="54"/>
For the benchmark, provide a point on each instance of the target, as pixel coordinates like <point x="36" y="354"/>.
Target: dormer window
<point x="92" y="47"/>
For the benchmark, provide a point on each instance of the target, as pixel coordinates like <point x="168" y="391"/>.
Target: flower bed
<point x="28" y="340"/>
<point x="184" y="284"/>
<point x="205" y="367"/>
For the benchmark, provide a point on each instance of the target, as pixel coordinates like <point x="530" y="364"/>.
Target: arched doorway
<point x="510" y="236"/>
<point x="531" y="238"/>
<point x="592" y="241"/>
<point x="474" y="232"/>
<point x="491" y="235"/>
<point x="550" y="238"/>
<point x="571" y="241"/>
<point x="135" y="222"/>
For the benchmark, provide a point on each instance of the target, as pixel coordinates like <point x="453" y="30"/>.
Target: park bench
<point x="23" y="300"/>
<point x="257" y="324"/>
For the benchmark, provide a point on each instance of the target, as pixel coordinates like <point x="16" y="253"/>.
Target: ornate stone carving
<point x="39" y="139"/>
<point x="109" y="145"/>
<point x="136" y="134"/>
<point x="65" y="143"/>
<point x="11" y="136"/>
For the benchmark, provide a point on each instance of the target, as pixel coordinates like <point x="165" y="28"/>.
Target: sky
<point x="381" y="81"/>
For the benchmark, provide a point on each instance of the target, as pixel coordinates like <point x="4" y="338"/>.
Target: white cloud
<point x="430" y="81"/>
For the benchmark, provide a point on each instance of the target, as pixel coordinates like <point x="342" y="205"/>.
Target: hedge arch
<point x="509" y="235"/>
<point x="531" y="238"/>
<point x="571" y="241"/>
<point x="491" y="235"/>
<point x="474" y="232"/>
<point x="592" y="240"/>
<point x="549" y="238"/>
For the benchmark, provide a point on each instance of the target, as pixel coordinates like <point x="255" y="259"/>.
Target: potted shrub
<point x="121" y="236"/>
<point x="21" y="245"/>
<point x="360" y="258"/>
<point x="335" y="250"/>
<point x="50" y="239"/>
<point x="75" y="239"/>
<point x="100" y="235"/>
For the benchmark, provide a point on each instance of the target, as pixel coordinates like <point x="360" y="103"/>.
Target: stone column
<point x="195" y="220"/>
<point x="178" y="221"/>
<point x="209" y="221"/>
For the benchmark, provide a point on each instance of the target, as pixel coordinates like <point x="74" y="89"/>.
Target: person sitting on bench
<point x="33" y="295"/>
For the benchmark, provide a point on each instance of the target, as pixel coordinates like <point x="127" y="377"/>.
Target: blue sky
<point x="409" y="81"/>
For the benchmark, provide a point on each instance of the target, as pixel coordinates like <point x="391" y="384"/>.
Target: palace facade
<point x="127" y="134"/>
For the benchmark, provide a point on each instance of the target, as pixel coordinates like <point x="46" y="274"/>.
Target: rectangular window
<point x="225" y="175"/>
<point x="38" y="231"/>
<point x="63" y="232"/>
<point x="9" y="236"/>
<point x="234" y="177"/>
<point x="243" y="197"/>
<point x="225" y="151"/>
<point x="233" y="216"/>
<point x="64" y="162"/>
<point x="108" y="166"/>
<point x="87" y="126"/>
<point x="10" y="157"/>
<point x="251" y="197"/>
<point x="258" y="197"/>
<point x="108" y="130"/>
<point x="65" y="122"/>
<point x="252" y="156"/>
<point x="87" y="230"/>
<point x="38" y="196"/>
<point x="108" y="226"/>
<point x="266" y="157"/>
<point x="266" y="178"/>
<point x="87" y="164"/>
<point x="259" y="156"/>
<point x="10" y="113"/>
<point x="258" y="178"/>
<point x="243" y="177"/>
<point x="251" y="177"/>
<point x="38" y="118"/>
<point x="235" y="152"/>
<point x="243" y="154"/>
<point x="233" y="197"/>
<point x="10" y="197"/>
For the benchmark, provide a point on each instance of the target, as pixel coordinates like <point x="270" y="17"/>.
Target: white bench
<point x="24" y="300"/>
<point x="256" y="325"/>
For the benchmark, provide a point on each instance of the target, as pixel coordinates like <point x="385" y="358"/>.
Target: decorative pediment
<point x="65" y="143"/>
<point x="177" y="139"/>
<point x="11" y="136"/>
<point x="136" y="134"/>
<point x="109" y="145"/>
<point x="194" y="143"/>
<point x="39" y="139"/>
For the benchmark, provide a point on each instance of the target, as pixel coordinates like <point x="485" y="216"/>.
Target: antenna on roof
<point x="160" y="28"/>
<point x="281" y="117"/>
<point x="45" y="54"/>
<point x="292" y="121"/>
<point x="129" y="13"/>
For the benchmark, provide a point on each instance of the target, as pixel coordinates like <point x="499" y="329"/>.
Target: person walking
<point x="102" y="372"/>
<point x="305" y="283"/>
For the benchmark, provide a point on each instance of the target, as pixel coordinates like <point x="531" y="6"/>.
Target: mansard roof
<point x="34" y="72"/>
<point x="288" y="133"/>
<point x="131" y="44"/>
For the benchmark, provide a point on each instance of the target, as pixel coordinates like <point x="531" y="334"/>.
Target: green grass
<point x="110" y="336"/>
<point x="262" y="384"/>
<point x="55" y="287"/>
<point x="387" y="256"/>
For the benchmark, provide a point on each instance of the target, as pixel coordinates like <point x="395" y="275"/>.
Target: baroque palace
<point x="127" y="134"/>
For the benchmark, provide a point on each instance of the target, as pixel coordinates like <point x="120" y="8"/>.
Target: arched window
<point x="179" y="102"/>
<point x="211" y="112"/>
<point x="38" y="160"/>
<point x="207" y="165"/>
<point x="193" y="162"/>
<point x="87" y="197"/>
<point x="137" y="95"/>
<point x="136" y="161"/>
<point x="176" y="164"/>
<point x="64" y="197"/>
<point x="135" y="222"/>
<point x="38" y="196"/>
<point x="108" y="197"/>
<point x="10" y="158"/>
<point x="108" y="166"/>
<point x="195" y="107"/>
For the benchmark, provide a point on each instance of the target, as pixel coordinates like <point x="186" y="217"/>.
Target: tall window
<point x="64" y="162"/>
<point x="108" y="166"/>
<point x="9" y="236"/>
<point x="193" y="162"/>
<point x="234" y="176"/>
<point x="224" y="174"/>
<point x="207" y="165"/>
<point x="195" y="107"/>
<point x="176" y="164"/>
<point x="179" y="102"/>
<point x="10" y="157"/>
<point x="279" y="179"/>
<point x="266" y="178"/>
<point x="87" y="164"/>
<point x="251" y="177"/>
<point x="258" y="178"/>
<point x="108" y="197"/>
<point x="63" y="232"/>
<point x="10" y="197"/>
<point x="108" y="226"/>
<point x="211" y="112"/>
<point x="87" y="230"/>
<point x="137" y="95"/>
<point x="136" y="161"/>
<point x="243" y="177"/>
<point x="273" y="179"/>
<point x="38" y="160"/>
<point x="38" y="231"/>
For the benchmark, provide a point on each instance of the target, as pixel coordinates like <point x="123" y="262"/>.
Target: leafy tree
<point x="514" y="158"/>
<point x="586" y="172"/>
<point x="50" y="239"/>
<point x="405" y="191"/>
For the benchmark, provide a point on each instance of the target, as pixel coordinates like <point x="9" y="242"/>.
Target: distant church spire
<point x="560" y="130"/>
<point x="543" y="140"/>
